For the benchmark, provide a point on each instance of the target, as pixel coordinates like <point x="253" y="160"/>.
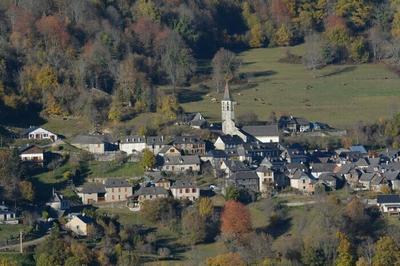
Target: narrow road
<point x="26" y="244"/>
<point x="299" y="203"/>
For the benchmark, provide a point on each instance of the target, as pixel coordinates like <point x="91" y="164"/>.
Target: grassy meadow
<point x="339" y="94"/>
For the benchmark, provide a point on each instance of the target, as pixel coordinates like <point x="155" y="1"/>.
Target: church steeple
<point x="227" y="95"/>
<point x="228" y="112"/>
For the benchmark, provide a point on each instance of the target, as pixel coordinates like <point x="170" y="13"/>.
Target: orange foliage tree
<point x="228" y="259"/>
<point x="235" y="219"/>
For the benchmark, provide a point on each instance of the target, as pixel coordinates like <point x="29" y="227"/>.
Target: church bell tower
<point x="228" y="112"/>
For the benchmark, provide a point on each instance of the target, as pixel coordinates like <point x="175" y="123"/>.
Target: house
<point x="169" y="150"/>
<point x="33" y="154"/>
<point x="228" y="167"/>
<point x="110" y="190"/>
<point x="7" y="216"/>
<point x="132" y="144"/>
<point x="39" y="133"/>
<point x="194" y="120"/>
<point x="358" y="148"/>
<point x="389" y="204"/>
<point x="92" y="193"/>
<point x="97" y="144"/>
<point x="228" y="142"/>
<point x="263" y="133"/>
<point x="163" y="182"/>
<point x="329" y="180"/>
<point x="294" y="124"/>
<point x="149" y="193"/>
<point x="366" y="179"/>
<point x="270" y="179"/>
<point x="117" y="190"/>
<point x="57" y="202"/>
<point x="182" y="189"/>
<point x="190" y="145"/>
<point x="318" y="169"/>
<point x="246" y="179"/>
<point x="155" y="143"/>
<point x="394" y="179"/>
<point x="378" y="182"/>
<point x="181" y="163"/>
<point x="302" y="181"/>
<point x="79" y="225"/>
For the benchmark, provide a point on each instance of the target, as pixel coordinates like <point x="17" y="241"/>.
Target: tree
<point x="205" y="207"/>
<point x="235" y="219"/>
<point x="344" y="257"/>
<point x="396" y="25"/>
<point x="228" y="259"/>
<point x="194" y="226"/>
<point x="225" y="67"/>
<point x="387" y="252"/>
<point x="283" y="36"/>
<point x="232" y="193"/>
<point x="148" y="160"/>
<point x="314" y="57"/>
<point x="27" y="191"/>
<point x="160" y="210"/>
<point x="7" y="262"/>
<point x="176" y="59"/>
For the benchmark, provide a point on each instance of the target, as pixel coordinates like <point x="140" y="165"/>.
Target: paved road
<point x="26" y="244"/>
<point x="299" y="203"/>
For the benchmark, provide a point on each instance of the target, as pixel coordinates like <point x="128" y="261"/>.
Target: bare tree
<point x="378" y="41"/>
<point x="176" y="59"/>
<point x="314" y="57"/>
<point x="225" y="67"/>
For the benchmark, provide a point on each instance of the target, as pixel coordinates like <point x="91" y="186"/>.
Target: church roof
<point x="227" y="95"/>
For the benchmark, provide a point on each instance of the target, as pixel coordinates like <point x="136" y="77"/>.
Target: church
<point x="260" y="133"/>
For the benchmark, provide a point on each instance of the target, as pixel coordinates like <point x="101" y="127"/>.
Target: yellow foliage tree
<point x="205" y="207"/>
<point x="283" y="36"/>
<point x="396" y="25"/>
<point x="228" y="259"/>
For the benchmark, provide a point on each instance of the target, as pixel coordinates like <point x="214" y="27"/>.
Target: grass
<point x="8" y="231"/>
<point x="19" y="259"/>
<point x="109" y="169"/>
<point x="340" y="95"/>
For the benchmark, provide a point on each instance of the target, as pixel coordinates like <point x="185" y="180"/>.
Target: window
<point x="119" y="189"/>
<point x="112" y="197"/>
<point x="187" y="190"/>
<point x="304" y="188"/>
<point x="119" y="197"/>
<point x="304" y="181"/>
<point x="126" y="190"/>
<point x="194" y="190"/>
<point x="112" y="190"/>
<point x="180" y="190"/>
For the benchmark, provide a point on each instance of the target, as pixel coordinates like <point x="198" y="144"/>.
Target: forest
<point x="105" y="60"/>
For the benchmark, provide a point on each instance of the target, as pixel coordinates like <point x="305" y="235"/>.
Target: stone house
<point x="190" y="145"/>
<point x="181" y="163"/>
<point x="183" y="189"/>
<point x="79" y="225"/>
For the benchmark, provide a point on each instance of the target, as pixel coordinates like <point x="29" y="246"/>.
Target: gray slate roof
<point x="151" y="191"/>
<point x="388" y="199"/>
<point x="116" y="183"/>
<point x="181" y="160"/>
<point x="89" y="188"/>
<point x="184" y="184"/>
<point x="261" y="130"/>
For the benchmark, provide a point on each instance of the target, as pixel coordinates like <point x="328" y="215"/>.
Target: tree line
<point x="104" y="59"/>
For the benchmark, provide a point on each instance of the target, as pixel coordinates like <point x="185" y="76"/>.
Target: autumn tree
<point x="148" y="160"/>
<point x="27" y="190"/>
<point x="387" y="252"/>
<point x="235" y="219"/>
<point x="225" y="67"/>
<point x="54" y="29"/>
<point x="228" y="259"/>
<point x="344" y="257"/>
<point x="176" y="59"/>
<point x="205" y="207"/>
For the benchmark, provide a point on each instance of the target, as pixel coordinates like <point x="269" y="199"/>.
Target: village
<point x="249" y="159"/>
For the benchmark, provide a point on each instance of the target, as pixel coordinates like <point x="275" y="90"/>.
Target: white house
<point x="41" y="133"/>
<point x="185" y="190"/>
<point x="7" y="216"/>
<point x="389" y="204"/>
<point x="133" y="144"/>
<point x="32" y="154"/>
<point x="263" y="133"/>
<point x="79" y="225"/>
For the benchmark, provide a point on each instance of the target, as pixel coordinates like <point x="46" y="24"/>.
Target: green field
<point x="339" y="95"/>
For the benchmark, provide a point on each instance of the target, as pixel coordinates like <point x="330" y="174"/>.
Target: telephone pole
<point x="20" y="242"/>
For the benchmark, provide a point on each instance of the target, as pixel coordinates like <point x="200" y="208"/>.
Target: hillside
<point x="340" y="95"/>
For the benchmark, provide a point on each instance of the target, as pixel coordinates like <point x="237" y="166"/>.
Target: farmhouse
<point x="181" y="163"/>
<point x="33" y="154"/>
<point x="79" y="225"/>
<point x="389" y="204"/>
<point x="96" y="144"/>
<point x="182" y="189"/>
<point x="39" y="133"/>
